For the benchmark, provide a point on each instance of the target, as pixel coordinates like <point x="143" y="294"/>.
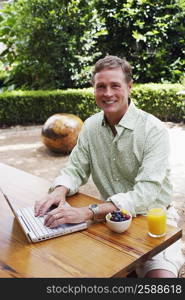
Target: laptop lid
<point x="20" y="219"/>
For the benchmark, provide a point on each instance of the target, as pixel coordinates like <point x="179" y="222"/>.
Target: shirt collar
<point x="128" y="120"/>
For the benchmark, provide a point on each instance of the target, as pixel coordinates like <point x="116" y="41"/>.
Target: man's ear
<point x="130" y="86"/>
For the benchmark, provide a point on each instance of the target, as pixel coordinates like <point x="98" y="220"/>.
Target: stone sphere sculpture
<point x="60" y="132"/>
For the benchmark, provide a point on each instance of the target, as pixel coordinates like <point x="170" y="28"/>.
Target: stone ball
<point x="60" y="132"/>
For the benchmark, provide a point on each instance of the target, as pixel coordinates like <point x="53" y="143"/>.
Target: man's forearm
<point x="62" y="189"/>
<point x="104" y="209"/>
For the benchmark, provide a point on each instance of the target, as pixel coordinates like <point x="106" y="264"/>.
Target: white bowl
<point x="118" y="227"/>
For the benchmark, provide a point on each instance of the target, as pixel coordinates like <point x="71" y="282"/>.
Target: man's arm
<point x="152" y="180"/>
<point x="62" y="215"/>
<point x="77" y="170"/>
<point x="74" y="174"/>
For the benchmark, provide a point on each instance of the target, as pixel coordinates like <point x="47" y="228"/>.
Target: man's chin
<point x="109" y="110"/>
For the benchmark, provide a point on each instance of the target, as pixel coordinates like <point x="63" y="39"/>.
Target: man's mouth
<point x="109" y="101"/>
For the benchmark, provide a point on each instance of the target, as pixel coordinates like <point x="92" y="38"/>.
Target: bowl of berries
<point x="119" y="220"/>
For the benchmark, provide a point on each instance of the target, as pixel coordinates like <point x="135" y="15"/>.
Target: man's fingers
<point x="63" y="215"/>
<point x="37" y="206"/>
<point x="58" y="216"/>
<point x="54" y="219"/>
<point x="42" y="207"/>
<point x="57" y="222"/>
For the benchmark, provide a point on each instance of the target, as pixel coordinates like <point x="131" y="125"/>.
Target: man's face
<point x="112" y="91"/>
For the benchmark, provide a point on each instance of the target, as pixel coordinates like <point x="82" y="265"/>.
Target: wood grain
<point x="94" y="252"/>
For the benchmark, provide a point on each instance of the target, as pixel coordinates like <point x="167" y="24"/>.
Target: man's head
<point x="112" y="62"/>
<point x="112" y="80"/>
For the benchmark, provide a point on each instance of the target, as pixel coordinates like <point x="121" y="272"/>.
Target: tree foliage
<point x="48" y="42"/>
<point x="150" y="34"/>
<point x="53" y="43"/>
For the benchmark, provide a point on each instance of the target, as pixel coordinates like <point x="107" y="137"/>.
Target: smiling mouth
<point x="109" y="101"/>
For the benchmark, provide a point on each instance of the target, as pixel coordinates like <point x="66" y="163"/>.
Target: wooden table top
<point x="91" y="253"/>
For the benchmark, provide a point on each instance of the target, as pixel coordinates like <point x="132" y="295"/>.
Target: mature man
<point x="126" y="151"/>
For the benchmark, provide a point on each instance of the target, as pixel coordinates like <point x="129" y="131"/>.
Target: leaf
<point x="4" y="53"/>
<point x="138" y="36"/>
<point x="101" y="32"/>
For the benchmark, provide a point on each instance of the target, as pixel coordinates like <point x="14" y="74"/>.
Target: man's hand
<point x="66" y="214"/>
<point x="57" y="198"/>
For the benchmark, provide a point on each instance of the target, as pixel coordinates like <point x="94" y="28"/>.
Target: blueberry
<point x="119" y="216"/>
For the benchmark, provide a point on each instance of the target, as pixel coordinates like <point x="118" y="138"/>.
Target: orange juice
<point x="156" y="218"/>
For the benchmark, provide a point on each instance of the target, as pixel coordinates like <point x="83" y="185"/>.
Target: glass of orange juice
<point x="156" y="218"/>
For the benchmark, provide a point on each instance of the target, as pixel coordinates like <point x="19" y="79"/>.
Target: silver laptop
<point x="34" y="227"/>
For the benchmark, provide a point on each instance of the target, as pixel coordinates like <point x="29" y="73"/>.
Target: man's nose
<point x="108" y="92"/>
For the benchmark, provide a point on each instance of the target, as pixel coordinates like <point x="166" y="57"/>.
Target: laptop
<point x="34" y="227"/>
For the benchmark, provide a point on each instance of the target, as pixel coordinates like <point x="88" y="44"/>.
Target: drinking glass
<point x="156" y="218"/>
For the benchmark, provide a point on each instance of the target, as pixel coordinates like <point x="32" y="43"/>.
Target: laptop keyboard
<point x="41" y="232"/>
<point x="37" y="224"/>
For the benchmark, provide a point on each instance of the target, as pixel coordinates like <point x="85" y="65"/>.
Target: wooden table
<point x="94" y="252"/>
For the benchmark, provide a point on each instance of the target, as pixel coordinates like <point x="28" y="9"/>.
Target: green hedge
<point x="34" y="107"/>
<point x="161" y="100"/>
<point x="27" y="107"/>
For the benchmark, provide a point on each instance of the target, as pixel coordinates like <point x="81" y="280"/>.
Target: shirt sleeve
<point x="152" y="176"/>
<point x="77" y="170"/>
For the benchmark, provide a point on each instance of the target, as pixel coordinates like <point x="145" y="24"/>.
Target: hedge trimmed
<point x="34" y="107"/>
<point x="162" y="100"/>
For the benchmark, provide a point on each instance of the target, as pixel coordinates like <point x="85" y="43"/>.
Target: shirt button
<point x="117" y="179"/>
<point x="114" y="158"/>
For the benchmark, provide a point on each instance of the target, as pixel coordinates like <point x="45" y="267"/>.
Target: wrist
<point x="89" y="214"/>
<point x="61" y="188"/>
<point x="94" y="208"/>
<point x="103" y="210"/>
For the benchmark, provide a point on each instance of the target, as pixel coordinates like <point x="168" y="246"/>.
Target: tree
<point x="150" y="34"/>
<point x="48" y="42"/>
<point x="52" y="44"/>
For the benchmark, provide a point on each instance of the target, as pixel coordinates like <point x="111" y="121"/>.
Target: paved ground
<point x="22" y="147"/>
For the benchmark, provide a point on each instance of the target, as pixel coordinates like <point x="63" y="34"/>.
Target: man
<point x="126" y="151"/>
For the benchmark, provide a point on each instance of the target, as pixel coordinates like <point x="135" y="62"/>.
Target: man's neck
<point x="114" y="118"/>
<point x="112" y="122"/>
<point x="114" y="131"/>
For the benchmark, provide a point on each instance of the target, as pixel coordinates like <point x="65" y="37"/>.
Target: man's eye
<point x="115" y="86"/>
